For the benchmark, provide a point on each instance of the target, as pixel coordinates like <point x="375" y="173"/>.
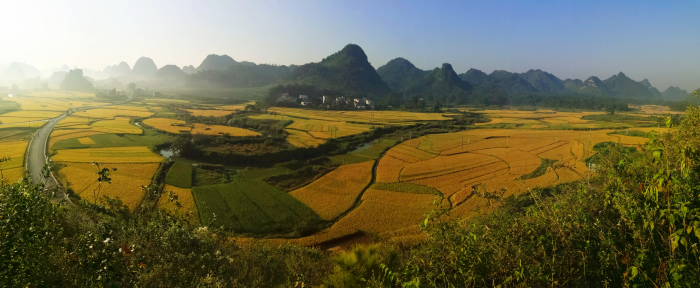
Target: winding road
<point x="36" y="151"/>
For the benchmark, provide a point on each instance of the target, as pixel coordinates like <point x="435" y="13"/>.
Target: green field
<point x="252" y="173"/>
<point x="252" y="206"/>
<point x="179" y="175"/>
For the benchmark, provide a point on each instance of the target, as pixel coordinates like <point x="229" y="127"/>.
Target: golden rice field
<point x="179" y="126"/>
<point x="336" y="192"/>
<point x="12" y="175"/>
<point x="494" y="159"/>
<point x="117" y="125"/>
<point x="302" y="138"/>
<point x="62" y="134"/>
<point x="86" y="140"/>
<point x="107" y="113"/>
<point x="654" y="109"/>
<point x="15" y="151"/>
<point x="187" y="207"/>
<point x="26" y="116"/>
<point x="207" y="113"/>
<point x="139" y="154"/>
<point x="126" y="181"/>
<point x="364" y="116"/>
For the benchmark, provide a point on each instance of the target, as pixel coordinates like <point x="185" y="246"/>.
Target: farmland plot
<point x="126" y="184"/>
<point x="335" y="192"/>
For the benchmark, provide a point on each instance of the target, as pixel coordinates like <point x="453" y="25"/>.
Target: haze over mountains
<point x="349" y="70"/>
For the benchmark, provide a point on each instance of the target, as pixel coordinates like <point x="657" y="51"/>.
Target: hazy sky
<point x="658" y="40"/>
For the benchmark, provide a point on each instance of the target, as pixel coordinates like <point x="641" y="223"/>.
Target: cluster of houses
<point x="327" y="101"/>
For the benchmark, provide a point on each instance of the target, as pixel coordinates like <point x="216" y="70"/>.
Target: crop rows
<point x="126" y="182"/>
<point x="250" y="206"/>
<point x="139" y="154"/>
<point x="335" y="192"/>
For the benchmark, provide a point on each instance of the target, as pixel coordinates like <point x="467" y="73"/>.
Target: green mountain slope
<point x="347" y="70"/>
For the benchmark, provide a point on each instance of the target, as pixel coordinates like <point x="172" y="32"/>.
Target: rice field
<point x="179" y="201"/>
<point x="209" y="113"/>
<point x="126" y="181"/>
<point x="179" y="126"/>
<point x="302" y="138"/>
<point x="109" y="113"/>
<point x="15" y="151"/>
<point x="108" y="155"/>
<point x="336" y="192"/>
<point x="116" y="125"/>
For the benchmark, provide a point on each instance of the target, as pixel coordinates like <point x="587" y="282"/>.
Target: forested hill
<point x="441" y="84"/>
<point x="347" y="70"/>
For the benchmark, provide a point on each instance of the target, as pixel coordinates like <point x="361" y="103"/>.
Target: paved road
<point x="36" y="157"/>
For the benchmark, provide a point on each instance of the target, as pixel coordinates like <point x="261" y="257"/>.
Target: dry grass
<point x="335" y="192"/>
<point x="140" y="154"/>
<point x="126" y="181"/>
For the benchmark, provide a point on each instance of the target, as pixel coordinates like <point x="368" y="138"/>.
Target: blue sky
<point x="657" y="40"/>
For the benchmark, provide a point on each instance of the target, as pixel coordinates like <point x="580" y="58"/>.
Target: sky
<point x="657" y="40"/>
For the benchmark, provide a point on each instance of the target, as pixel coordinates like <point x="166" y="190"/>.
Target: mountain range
<point x="349" y="70"/>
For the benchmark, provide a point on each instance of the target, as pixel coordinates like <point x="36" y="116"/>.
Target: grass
<point x="251" y="206"/>
<point x="252" y="173"/>
<point x="179" y="175"/>
<point x="540" y="170"/>
<point x="205" y="177"/>
<point x="406" y="187"/>
<point x="635" y="133"/>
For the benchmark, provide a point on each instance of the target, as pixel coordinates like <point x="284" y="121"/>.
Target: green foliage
<point x="540" y="169"/>
<point x="406" y="187"/>
<point x="252" y="206"/>
<point x="204" y="177"/>
<point x="28" y="228"/>
<point x="347" y="70"/>
<point x="252" y="173"/>
<point x="180" y="175"/>
<point x="360" y="267"/>
<point x="44" y="245"/>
